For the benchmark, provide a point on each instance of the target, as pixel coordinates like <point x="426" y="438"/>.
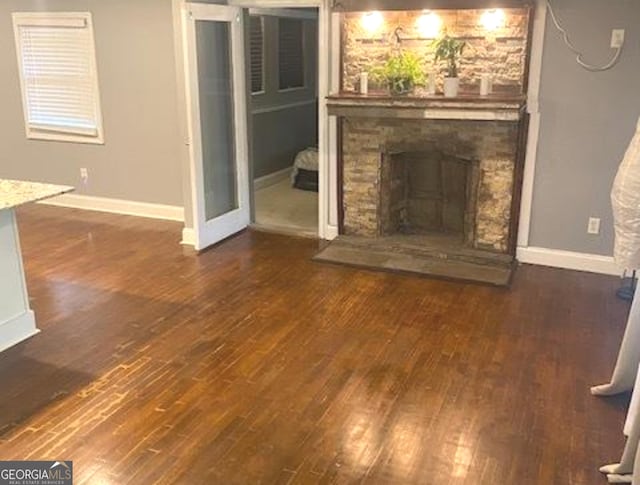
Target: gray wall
<point x="587" y="122"/>
<point x="278" y="134"/>
<point x="136" y="68"/>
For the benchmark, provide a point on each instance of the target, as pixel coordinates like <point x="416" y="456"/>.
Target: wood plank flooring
<point x="249" y="363"/>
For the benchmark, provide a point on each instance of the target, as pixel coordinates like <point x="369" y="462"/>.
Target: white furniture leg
<point x="619" y="478"/>
<point x="636" y="466"/>
<point x="17" y="321"/>
<point x="626" y="368"/>
<point x="621" y="472"/>
<point x="634" y="407"/>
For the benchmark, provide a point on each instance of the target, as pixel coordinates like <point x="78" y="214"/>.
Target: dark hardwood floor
<point x="249" y="363"/>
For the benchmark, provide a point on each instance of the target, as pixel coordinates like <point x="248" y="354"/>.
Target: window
<point x="56" y="59"/>
<point x="256" y="48"/>
<point x="290" y="53"/>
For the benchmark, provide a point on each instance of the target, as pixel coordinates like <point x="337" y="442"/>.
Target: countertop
<point x="17" y="192"/>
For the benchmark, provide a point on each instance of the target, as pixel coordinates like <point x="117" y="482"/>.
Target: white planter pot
<point x="451" y="87"/>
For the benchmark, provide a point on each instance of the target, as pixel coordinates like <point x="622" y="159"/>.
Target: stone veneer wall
<point x="492" y="144"/>
<point x="502" y="54"/>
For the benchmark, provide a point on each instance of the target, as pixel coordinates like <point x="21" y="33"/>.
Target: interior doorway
<point x="282" y="93"/>
<point x="223" y="177"/>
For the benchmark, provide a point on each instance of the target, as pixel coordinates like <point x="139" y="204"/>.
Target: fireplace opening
<point x="428" y="193"/>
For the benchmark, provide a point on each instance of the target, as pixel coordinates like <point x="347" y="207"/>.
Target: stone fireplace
<point x="429" y="184"/>
<point x="452" y="177"/>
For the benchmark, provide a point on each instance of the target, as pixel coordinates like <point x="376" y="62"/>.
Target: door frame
<point x="326" y="230"/>
<point x="327" y="134"/>
<point x="533" y="108"/>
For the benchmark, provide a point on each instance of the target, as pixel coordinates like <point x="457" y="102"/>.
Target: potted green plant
<point x="401" y="73"/>
<point x="449" y="50"/>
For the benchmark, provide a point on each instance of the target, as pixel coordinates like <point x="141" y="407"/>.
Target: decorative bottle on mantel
<point x="431" y="82"/>
<point x="485" y="85"/>
<point x="364" y="83"/>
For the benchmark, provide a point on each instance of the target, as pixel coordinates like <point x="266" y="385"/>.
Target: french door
<point x="218" y="139"/>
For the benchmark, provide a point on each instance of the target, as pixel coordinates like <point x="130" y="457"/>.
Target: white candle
<point x="364" y="83"/>
<point x="431" y="83"/>
<point x="485" y="85"/>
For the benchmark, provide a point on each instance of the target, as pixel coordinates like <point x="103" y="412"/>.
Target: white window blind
<point x="256" y="50"/>
<point x="56" y="57"/>
<point x="290" y="53"/>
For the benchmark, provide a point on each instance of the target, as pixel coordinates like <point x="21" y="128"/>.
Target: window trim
<point x="63" y="19"/>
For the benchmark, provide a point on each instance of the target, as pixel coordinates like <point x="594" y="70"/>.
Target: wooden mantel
<point x="464" y="107"/>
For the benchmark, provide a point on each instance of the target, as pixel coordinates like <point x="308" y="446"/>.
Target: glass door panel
<point x="215" y="78"/>
<point x="218" y="134"/>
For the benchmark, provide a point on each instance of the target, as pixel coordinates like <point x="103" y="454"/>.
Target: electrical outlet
<point x="617" y="38"/>
<point x="594" y="225"/>
<point x="84" y="175"/>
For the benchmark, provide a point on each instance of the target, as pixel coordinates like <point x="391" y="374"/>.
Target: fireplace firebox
<point x="427" y="192"/>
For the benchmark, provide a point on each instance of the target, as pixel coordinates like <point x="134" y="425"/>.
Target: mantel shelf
<point x="497" y="107"/>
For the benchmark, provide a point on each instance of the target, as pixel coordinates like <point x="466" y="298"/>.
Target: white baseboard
<point x="17" y="329"/>
<point x="118" y="206"/>
<point x="188" y="236"/>
<point x="272" y="178"/>
<point x="592" y="263"/>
